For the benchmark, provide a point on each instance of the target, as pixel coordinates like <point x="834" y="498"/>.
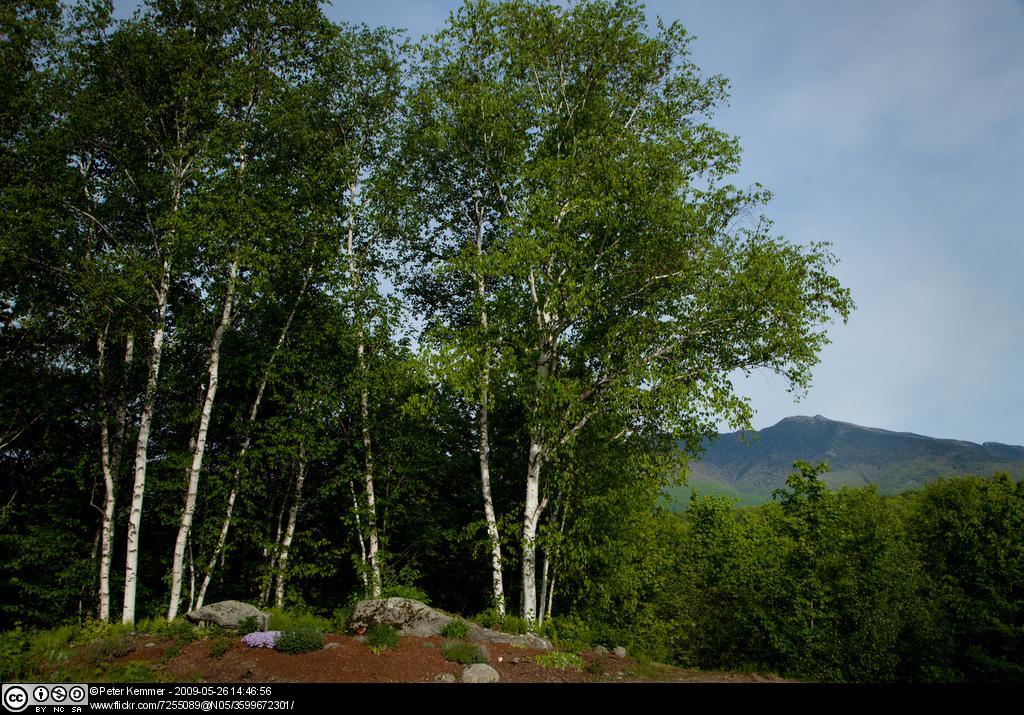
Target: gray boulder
<point x="480" y="673"/>
<point x="412" y="618"/>
<point x="619" y="652"/>
<point x="526" y="640"/>
<point x="408" y="617"/>
<point x="227" y="614"/>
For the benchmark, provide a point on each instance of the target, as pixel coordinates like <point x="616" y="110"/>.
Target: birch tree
<point x="464" y="144"/>
<point x="167" y="117"/>
<point x="356" y="97"/>
<point x="639" y="280"/>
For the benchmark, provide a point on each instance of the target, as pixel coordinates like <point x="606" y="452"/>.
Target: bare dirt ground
<point x="345" y="659"/>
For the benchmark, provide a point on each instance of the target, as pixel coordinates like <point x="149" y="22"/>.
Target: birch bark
<point x="200" y="447"/>
<point x="142" y="446"/>
<point x="293" y="516"/>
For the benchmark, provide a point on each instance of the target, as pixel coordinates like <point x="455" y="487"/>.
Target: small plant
<point x="296" y="620"/>
<point x="180" y="631"/>
<point x="560" y="660"/>
<point x="380" y="637"/>
<point x="461" y="652"/>
<point x="456" y="629"/>
<point x="515" y="625"/>
<point x="249" y="624"/>
<point x="264" y="639"/>
<point x="301" y="640"/>
<point x="220" y="645"/>
<point x="571" y="633"/>
<point x="596" y="667"/>
<point x="133" y="672"/>
<point x="410" y="592"/>
<point x="339" y="619"/>
<point x="171" y="653"/>
<point x="488" y="619"/>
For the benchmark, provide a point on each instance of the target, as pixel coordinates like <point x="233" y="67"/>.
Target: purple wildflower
<point x="266" y="639"/>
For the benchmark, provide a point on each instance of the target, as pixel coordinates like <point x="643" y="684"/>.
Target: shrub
<point x="133" y="672"/>
<point x="456" y="629"/>
<point x="381" y="637"/>
<point x="300" y="640"/>
<point x="109" y="648"/>
<point x="282" y="620"/>
<point x="406" y="592"/>
<point x="220" y="645"/>
<point x="571" y="632"/>
<point x="179" y="630"/>
<point x="488" y="618"/>
<point x="14" y="661"/>
<point x="561" y="660"/>
<point x="339" y="619"/>
<point x="171" y="653"/>
<point x="249" y="624"/>
<point x="596" y="667"/>
<point x="515" y="625"/>
<point x="461" y="652"/>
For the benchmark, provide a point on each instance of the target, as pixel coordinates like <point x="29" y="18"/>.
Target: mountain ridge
<point x="751" y="464"/>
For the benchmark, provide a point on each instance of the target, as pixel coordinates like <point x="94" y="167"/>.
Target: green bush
<point x="14" y="660"/>
<point x="456" y="629"/>
<point x="560" y="660"/>
<point x="133" y="672"/>
<point x="488" y="618"/>
<point x="381" y="637"/>
<point x="339" y="619"/>
<point x="571" y="632"/>
<point x="171" y="653"/>
<point x="285" y="620"/>
<point x="109" y="648"/>
<point x="461" y="652"/>
<point x="220" y="645"/>
<point x="515" y="625"/>
<point x="179" y="630"/>
<point x="249" y="624"/>
<point x="300" y="640"/>
<point x="406" y="592"/>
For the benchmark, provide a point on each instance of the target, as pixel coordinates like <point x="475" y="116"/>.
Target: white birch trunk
<point x="106" y="540"/>
<point x="268" y="582"/>
<point x="141" y="448"/>
<point x="364" y="410"/>
<point x="497" y="584"/>
<point x="542" y="607"/>
<point x="371" y="506"/>
<point x="293" y="515"/>
<point x="200" y="448"/>
<point x="551" y="590"/>
<point x="110" y="463"/>
<point x="531" y="516"/>
<point x="359" y="534"/>
<point x="246" y="443"/>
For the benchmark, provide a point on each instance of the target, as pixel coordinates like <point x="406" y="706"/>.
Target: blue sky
<point x="895" y="130"/>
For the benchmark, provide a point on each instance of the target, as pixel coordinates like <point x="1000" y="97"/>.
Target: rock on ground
<point x="408" y="617"/>
<point x="526" y="640"/>
<point x="412" y="618"/>
<point x="227" y="614"/>
<point x="619" y="652"/>
<point x="480" y="673"/>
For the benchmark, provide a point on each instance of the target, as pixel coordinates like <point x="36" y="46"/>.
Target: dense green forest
<point x="296" y="312"/>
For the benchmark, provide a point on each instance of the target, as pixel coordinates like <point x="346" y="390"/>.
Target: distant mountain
<point x="750" y="465"/>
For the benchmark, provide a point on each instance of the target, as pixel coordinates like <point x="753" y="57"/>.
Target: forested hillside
<point x="749" y="466"/>
<point x="298" y="312"/>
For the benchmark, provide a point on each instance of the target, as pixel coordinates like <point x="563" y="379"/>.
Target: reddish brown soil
<point x="346" y="659"/>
